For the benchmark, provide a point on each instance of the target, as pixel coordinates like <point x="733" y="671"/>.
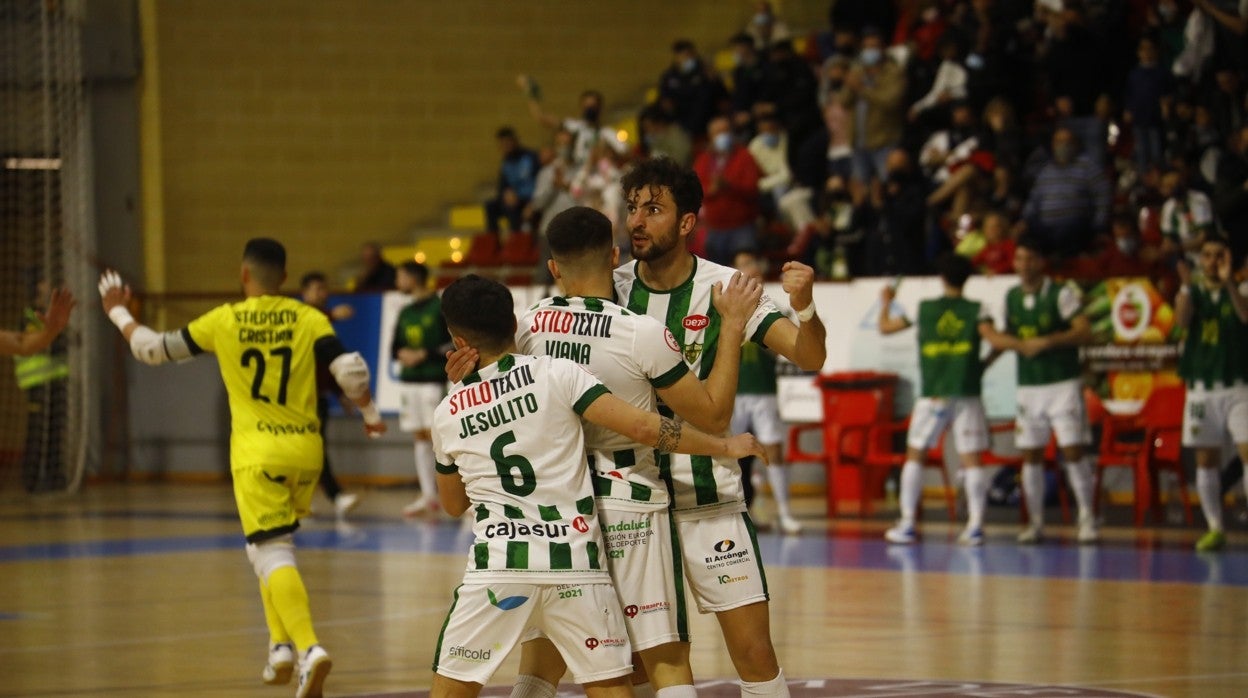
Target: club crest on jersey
<point x="695" y="322"/>
<point x="692" y="351"/>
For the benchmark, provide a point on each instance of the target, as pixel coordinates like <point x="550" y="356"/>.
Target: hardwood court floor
<point x="144" y="590"/>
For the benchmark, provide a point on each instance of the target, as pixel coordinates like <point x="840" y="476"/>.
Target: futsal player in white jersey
<point x="669" y="283"/>
<point x="510" y="445"/>
<point x="634" y="356"/>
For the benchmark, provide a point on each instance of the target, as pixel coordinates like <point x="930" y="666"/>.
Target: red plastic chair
<point x="1160" y="421"/>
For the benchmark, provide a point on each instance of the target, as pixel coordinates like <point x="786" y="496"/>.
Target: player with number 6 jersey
<point x="510" y="448"/>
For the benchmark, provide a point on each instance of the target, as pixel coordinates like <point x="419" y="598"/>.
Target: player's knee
<point x="271" y="555"/>
<point x="755" y="656"/>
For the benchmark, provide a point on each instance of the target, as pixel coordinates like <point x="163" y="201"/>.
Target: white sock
<point x="1080" y="476"/>
<point x="1033" y="492"/>
<point x="529" y="686"/>
<point x="976" y="496"/>
<point x="644" y="690"/>
<point x="1209" y="487"/>
<point x="911" y="490"/>
<point x="426" y="472"/>
<point x="775" y="688"/>
<point x="682" y="691"/>
<point x="778" y="477"/>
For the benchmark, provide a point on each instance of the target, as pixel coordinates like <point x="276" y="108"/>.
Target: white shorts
<point x="417" y="403"/>
<point x="759" y="415"/>
<point x="1210" y="415"/>
<point x="933" y="415"/>
<point x="722" y="562"/>
<point x="583" y="620"/>
<point x="643" y="557"/>
<point x="1056" y="408"/>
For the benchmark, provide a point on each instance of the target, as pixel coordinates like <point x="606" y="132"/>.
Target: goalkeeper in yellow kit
<point x="267" y="346"/>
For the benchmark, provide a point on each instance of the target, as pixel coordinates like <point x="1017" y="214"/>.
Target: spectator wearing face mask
<point x="729" y="179"/>
<point x="893" y="244"/>
<point x="1070" y="200"/>
<point x="768" y="149"/>
<point x="689" y="89"/>
<point x="660" y="137"/>
<point x="749" y="76"/>
<point x="765" y="28"/>
<point x="873" y="93"/>
<point x="586" y="129"/>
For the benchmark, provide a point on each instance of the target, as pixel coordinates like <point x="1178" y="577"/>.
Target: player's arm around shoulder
<point x="665" y="434"/>
<point x="805" y="343"/>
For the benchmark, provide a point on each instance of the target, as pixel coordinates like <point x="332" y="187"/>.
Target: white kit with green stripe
<point x="701" y="485"/>
<point x="512" y="431"/>
<point x="632" y="355"/>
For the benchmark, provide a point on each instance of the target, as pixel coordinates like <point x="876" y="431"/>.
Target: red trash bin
<point x="853" y="400"/>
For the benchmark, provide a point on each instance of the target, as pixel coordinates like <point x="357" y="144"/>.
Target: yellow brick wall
<point x="325" y="123"/>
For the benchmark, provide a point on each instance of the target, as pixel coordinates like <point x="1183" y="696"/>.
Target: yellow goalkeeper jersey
<point x="266" y="351"/>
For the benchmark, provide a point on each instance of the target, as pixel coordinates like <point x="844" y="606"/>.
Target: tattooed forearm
<point x="669" y="435"/>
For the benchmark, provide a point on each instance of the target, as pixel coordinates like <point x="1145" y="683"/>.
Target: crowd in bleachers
<point x="1114" y="130"/>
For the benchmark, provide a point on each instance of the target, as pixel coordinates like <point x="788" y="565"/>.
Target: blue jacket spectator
<point x="517" y="177"/>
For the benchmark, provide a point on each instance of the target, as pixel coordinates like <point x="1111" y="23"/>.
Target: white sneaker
<point x="901" y="534"/>
<point x="1031" y="535"/>
<point x="1088" y="532"/>
<point x="281" y="664"/>
<point x="424" y="504"/>
<point x="344" y="503"/>
<point x="790" y="525"/>
<point x="313" y="669"/>
<point x="971" y="537"/>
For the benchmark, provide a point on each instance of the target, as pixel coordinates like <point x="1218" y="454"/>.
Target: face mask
<point x="1064" y="153"/>
<point x="590" y="114"/>
<point x="722" y="142"/>
<point x="1167" y="12"/>
<point x="870" y="56"/>
<point x="975" y="61"/>
<point x="687" y="65"/>
<point x="1126" y="245"/>
<point x="771" y="140"/>
<point x="931" y="14"/>
<point x="762" y="19"/>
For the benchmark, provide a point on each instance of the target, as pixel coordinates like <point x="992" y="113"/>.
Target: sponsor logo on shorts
<point x="506" y="603"/>
<point x="728" y="579"/>
<point x="634" y="610"/>
<point x="727" y="554"/>
<point x="596" y="642"/>
<point x="469" y="654"/>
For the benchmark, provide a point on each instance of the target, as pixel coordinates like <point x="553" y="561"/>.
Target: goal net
<point x="45" y="223"/>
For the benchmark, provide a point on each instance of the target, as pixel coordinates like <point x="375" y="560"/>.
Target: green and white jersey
<point x="700" y="485"/>
<point x="1215" y="352"/>
<point x="632" y="355"/>
<point x="512" y="431"/>
<point x="1048" y="311"/>
<point x="950" y="364"/>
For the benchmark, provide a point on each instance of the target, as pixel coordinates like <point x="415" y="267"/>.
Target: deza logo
<point x="506" y="603"/>
<point x="696" y="322"/>
<point x="724" y="546"/>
